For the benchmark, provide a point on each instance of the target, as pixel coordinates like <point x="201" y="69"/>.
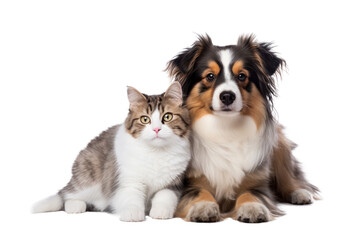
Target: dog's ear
<point x="271" y="62"/>
<point x="263" y="51"/>
<point x="182" y="66"/>
<point x="264" y="66"/>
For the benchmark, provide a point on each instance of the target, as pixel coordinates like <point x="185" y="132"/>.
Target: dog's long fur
<point x="242" y="163"/>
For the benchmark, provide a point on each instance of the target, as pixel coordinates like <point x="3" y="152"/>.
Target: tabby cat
<point x="135" y="168"/>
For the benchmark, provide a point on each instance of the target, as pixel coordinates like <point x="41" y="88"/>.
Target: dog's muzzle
<point x="227" y="97"/>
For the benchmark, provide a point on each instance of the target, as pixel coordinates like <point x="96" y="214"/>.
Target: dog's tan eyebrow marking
<point x="213" y="67"/>
<point x="237" y="67"/>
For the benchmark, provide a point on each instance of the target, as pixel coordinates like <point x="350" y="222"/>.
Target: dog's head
<point x="227" y="80"/>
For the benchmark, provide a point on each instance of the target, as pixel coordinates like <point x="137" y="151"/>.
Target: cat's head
<point x="158" y="119"/>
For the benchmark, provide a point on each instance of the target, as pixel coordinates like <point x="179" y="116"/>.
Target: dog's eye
<point x="210" y="77"/>
<point x="241" y="77"/>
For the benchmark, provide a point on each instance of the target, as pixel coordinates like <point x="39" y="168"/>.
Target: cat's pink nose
<point x="157" y="130"/>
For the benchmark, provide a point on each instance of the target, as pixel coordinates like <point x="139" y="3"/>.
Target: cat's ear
<point x="135" y="97"/>
<point x="174" y="93"/>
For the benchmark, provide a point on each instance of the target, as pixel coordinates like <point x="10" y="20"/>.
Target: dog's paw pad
<point x="301" y="197"/>
<point x="253" y="212"/>
<point x="204" y="212"/>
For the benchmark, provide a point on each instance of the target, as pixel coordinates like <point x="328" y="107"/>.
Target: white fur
<point x="217" y="105"/>
<point x="132" y="213"/>
<point x="155" y="120"/>
<point x="146" y="168"/>
<point x="163" y="204"/>
<point x="254" y="211"/>
<point x="50" y="204"/>
<point x="75" y="206"/>
<point x="226" y="58"/>
<point x="203" y="210"/>
<point x="91" y="195"/>
<point x="224" y="148"/>
<point x="229" y="85"/>
<point x="302" y="196"/>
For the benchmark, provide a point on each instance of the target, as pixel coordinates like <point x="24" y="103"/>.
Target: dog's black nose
<point x="227" y="97"/>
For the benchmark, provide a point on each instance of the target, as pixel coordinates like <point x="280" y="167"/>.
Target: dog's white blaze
<point x="226" y="58"/>
<point x="224" y="149"/>
<point x="229" y="85"/>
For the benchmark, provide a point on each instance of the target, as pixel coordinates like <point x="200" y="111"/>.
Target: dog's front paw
<point x="204" y="211"/>
<point x="253" y="212"/>
<point x="132" y="214"/>
<point x="161" y="212"/>
<point x="301" y="197"/>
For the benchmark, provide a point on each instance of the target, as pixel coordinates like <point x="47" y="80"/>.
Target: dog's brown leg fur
<point x="198" y="203"/>
<point x="288" y="180"/>
<point x="255" y="201"/>
<point x="248" y="208"/>
<point x="244" y="198"/>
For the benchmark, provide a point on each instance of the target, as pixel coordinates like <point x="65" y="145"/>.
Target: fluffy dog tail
<point x="51" y="204"/>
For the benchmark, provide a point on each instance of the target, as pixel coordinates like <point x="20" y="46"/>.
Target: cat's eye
<point x="144" y="119"/>
<point x="168" y="117"/>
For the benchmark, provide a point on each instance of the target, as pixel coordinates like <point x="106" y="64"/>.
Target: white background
<point x="64" y="68"/>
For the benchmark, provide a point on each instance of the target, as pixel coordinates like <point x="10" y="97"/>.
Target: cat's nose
<point x="157" y="130"/>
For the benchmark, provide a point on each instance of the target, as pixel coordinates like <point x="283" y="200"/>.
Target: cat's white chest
<point x="162" y="169"/>
<point x="224" y="151"/>
<point x="151" y="166"/>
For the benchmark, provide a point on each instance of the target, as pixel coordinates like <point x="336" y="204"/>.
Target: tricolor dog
<point x="242" y="164"/>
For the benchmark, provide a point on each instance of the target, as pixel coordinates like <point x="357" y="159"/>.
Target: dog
<point x="242" y="163"/>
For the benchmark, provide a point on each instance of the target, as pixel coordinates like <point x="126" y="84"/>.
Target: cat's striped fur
<point x="133" y="168"/>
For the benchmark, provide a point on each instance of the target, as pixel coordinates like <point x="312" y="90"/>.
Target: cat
<point x="135" y="168"/>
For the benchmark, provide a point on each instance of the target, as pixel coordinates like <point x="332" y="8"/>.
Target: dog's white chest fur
<point x="224" y="149"/>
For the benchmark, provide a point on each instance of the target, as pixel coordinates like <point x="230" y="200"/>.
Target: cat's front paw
<point x="161" y="212"/>
<point x="132" y="214"/>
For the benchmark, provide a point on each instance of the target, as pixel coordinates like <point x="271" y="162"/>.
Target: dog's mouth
<point x="224" y="111"/>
